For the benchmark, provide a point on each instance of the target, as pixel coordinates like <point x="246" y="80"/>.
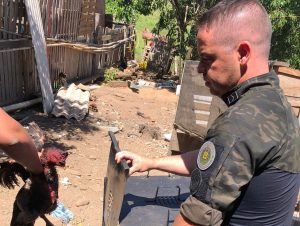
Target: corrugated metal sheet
<point x="71" y="102"/>
<point x="39" y="43"/>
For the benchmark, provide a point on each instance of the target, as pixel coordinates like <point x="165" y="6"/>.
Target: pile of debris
<point x="135" y="77"/>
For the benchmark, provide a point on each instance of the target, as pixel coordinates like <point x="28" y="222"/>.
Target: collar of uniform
<point x="236" y="93"/>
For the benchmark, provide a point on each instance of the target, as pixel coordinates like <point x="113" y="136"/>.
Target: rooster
<point x="38" y="196"/>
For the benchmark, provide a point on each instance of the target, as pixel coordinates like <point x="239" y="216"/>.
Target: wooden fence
<point x="74" y="46"/>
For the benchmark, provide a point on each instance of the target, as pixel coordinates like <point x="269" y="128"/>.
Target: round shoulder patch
<point x="206" y="155"/>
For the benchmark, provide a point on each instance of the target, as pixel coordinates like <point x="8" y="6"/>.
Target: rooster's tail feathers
<point x="9" y="172"/>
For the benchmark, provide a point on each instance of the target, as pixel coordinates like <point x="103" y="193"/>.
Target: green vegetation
<point x="143" y="22"/>
<point x="110" y="74"/>
<point x="285" y="16"/>
<point x="178" y="19"/>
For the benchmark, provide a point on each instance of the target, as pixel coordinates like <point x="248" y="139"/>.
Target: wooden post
<point x="39" y="43"/>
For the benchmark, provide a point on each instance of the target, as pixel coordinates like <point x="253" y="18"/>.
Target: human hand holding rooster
<point x="38" y="196"/>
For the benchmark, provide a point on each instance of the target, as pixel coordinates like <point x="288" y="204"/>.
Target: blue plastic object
<point x="62" y="213"/>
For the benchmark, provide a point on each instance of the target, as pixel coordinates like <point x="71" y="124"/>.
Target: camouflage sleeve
<point x="224" y="167"/>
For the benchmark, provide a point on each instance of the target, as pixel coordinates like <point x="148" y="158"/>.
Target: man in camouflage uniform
<point x="247" y="171"/>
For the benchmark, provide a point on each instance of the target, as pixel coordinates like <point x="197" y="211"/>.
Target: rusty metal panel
<point x="114" y="187"/>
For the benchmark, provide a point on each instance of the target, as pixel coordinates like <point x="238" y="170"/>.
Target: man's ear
<point x="244" y="50"/>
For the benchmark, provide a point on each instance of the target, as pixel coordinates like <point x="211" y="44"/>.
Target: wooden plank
<point x="14" y="82"/>
<point x="53" y="18"/>
<point x="10" y="76"/>
<point x="49" y="18"/>
<point x="290" y="85"/>
<point x="15" y="43"/>
<point x="24" y="70"/>
<point x="1" y="19"/>
<point x="294" y="101"/>
<point x="6" y="11"/>
<point x="73" y="18"/>
<point x="289" y="71"/>
<point x="14" y="22"/>
<point x="63" y="19"/>
<point x="6" y="75"/>
<point x="297" y="111"/>
<point x="67" y="19"/>
<point x="10" y="18"/>
<point x="19" y="76"/>
<point x="105" y="38"/>
<point x="34" y="17"/>
<point x="20" y="10"/>
<point x="2" y="83"/>
<point x="59" y="17"/>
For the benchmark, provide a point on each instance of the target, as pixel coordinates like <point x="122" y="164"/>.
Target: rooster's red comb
<point x="55" y="156"/>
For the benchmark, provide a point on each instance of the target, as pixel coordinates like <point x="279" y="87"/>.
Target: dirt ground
<point x="88" y="144"/>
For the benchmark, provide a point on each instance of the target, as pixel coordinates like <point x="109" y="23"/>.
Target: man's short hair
<point x="225" y="18"/>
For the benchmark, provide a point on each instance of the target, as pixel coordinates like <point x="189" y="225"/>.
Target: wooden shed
<point x="290" y="83"/>
<point x="78" y="45"/>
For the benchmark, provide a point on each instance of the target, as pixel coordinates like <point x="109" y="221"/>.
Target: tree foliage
<point x="285" y="16"/>
<point x="178" y="18"/>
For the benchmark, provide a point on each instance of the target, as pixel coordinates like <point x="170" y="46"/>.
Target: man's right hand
<point x="137" y="163"/>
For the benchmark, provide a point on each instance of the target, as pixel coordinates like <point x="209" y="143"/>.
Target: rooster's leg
<point x="15" y="214"/>
<point x="48" y="223"/>
<point x="20" y="218"/>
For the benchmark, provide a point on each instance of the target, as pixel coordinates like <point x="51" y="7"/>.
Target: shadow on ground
<point x="56" y="128"/>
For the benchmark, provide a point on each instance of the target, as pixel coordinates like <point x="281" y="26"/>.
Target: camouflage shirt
<point x="258" y="132"/>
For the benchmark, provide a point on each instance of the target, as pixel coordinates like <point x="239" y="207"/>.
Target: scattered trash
<point x="117" y="84"/>
<point x="65" y="181"/>
<point x="82" y="202"/>
<point x="134" y="87"/>
<point x="132" y="63"/>
<point x="93" y="98"/>
<point x="152" y="132"/>
<point x="109" y="128"/>
<point x="62" y="213"/>
<point x="83" y="87"/>
<point x="167" y="136"/>
<point x="141" y="114"/>
<point x="93" y="107"/>
<point x="178" y="88"/>
<point x="168" y="84"/>
<point x="143" y="83"/>
<point x="94" y="86"/>
<point x="91" y="157"/>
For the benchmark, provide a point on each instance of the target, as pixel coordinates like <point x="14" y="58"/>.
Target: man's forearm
<point x="177" y="164"/>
